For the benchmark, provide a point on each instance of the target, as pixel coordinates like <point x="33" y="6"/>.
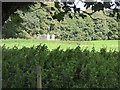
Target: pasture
<point x="108" y="44"/>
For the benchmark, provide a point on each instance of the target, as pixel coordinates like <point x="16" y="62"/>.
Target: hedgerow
<point x="73" y="68"/>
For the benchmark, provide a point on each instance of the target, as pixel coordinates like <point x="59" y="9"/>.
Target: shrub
<point x="73" y="68"/>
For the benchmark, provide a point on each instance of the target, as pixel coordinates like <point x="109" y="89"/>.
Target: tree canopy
<point x="38" y="17"/>
<point x="9" y="8"/>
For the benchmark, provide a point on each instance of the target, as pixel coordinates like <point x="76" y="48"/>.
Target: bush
<point x="73" y="68"/>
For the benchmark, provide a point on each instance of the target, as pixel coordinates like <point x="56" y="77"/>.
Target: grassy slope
<point x="110" y="44"/>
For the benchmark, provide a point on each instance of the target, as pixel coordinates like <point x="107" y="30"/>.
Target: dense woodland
<point x="38" y="19"/>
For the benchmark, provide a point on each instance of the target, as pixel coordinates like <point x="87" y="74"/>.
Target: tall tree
<point x="9" y="8"/>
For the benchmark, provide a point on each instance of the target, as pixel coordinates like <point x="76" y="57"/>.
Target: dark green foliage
<point x="73" y="68"/>
<point x="10" y="7"/>
<point x="36" y="20"/>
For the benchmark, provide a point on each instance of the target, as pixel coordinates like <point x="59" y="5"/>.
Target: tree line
<point x="36" y="19"/>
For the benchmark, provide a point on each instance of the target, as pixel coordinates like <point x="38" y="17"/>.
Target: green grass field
<point x="109" y="44"/>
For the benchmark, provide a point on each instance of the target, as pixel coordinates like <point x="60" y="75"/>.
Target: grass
<point x="109" y="44"/>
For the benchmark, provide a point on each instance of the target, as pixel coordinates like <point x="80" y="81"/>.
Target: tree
<point x="9" y="8"/>
<point x="35" y="20"/>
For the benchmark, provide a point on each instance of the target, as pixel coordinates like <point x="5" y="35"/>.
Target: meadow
<point x="108" y="44"/>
